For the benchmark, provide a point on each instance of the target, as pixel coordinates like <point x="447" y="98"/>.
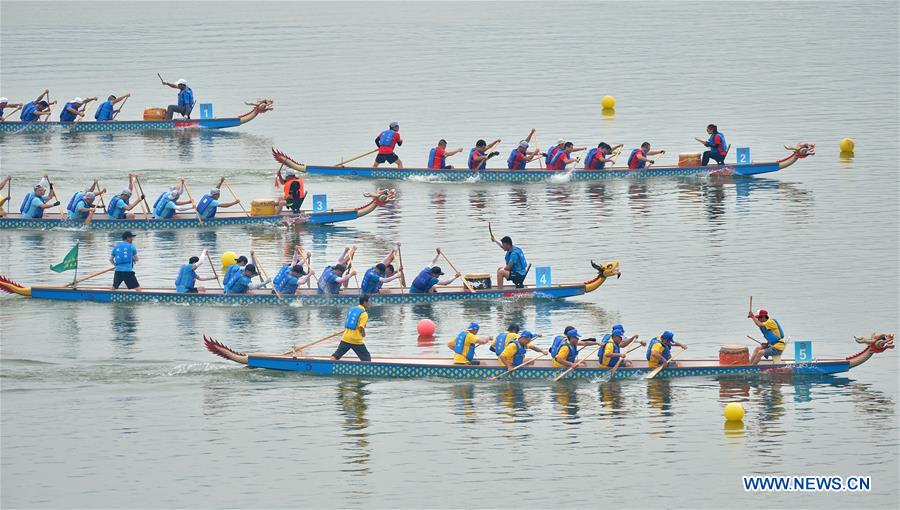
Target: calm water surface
<point x="120" y="406"/>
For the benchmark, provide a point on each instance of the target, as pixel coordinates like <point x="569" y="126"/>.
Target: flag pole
<point x="75" y="279"/>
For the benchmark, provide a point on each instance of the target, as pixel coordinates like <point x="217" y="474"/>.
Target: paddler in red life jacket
<point x="427" y="278"/>
<point x="552" y="151"/>
<point x="437" y="158"/>
<point x="479" y="156"/>
<point x="774" y="335"/>
<point x="354" y="336"/>
<point x="597" y="158"/>
<point x="718" y="148"/>
<point x="561" y="157"/>
<point x="386" y="140"/>
<point x="463" y="346"/>
<point x="521" y="156"/>
<point x="638" y="158"/>
<point x="294" y="190"/>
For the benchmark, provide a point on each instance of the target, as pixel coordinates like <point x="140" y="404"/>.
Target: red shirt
<point x="389" y="148"/>
<point x="439" y="157"/>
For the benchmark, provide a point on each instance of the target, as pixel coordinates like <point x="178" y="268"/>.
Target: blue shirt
<point x="34" y="208"/>
<point x="289" y="284"/>
<point x="186" y="99"/>
<point x="210" y="211"/>
<point x="168" y="211"/>
<point x="65" y="115"/>
<point x="517" y="258"/>
<point x="239" y="286"/>
<point x="127" y="266"/>
<point x="28" y="112"/>
<point x="330" y="281"/>
<point x="79" y="215"/>
<point x="105" y="112"/>
<point x="116" y="208"/>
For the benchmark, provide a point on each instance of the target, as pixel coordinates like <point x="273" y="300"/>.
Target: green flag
<point x="70" y="262"/>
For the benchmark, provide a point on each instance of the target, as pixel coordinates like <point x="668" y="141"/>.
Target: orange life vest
<point x="287" y="187"/>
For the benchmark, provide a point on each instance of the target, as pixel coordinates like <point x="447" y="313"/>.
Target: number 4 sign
<point x="542" y="277"/>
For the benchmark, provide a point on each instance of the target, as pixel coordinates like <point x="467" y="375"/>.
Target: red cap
<point x="762" y="313"/>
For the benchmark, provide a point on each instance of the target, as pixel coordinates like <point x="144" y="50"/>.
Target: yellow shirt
<point x="509" y="352"/>
<point x="354" y="336"/>
<point x="772" y="326"/>
<point x="607" y="350"/>
<point x="657" y="348"/>
<point x="469" y="342"/>
<point x="561" y="354"/>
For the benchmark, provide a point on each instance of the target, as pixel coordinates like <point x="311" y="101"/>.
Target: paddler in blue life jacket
<point x="37" y="200"/>
<point x="354" y="336"/>
<point x="167" y="205"/>
<point x="551" y="152"/>
<point x="521" y="156"/>
<point x="244" y="281"/>
<point x="336" y="276"/>
<point x="386" y="141"/>
<point x="233" y="270"/>
<point x="185" y="99"/>
<point x="561" y="157"/>
<point x="659" y="349"/>
<point x="516" y="266"/>
<point x="32" y="111"/>
<point x="119" y="206"/>
<point x="481" y="153"/>
<point x="291" y="276"/>
<point x="74" y="109"/>
<point x="513" y="354"/>
<point x="718" y="148"/>
<point x="80" y="207"/>
<point x="107" y="109"/>
<point x="772" y="332"/>
<point x="437" y="158"/>
<point x="4" y="104"/>
<point x="209" y="204"/>
<point x="427" y="278"/>
<point x="565" y="347"/>
<point x="639" y="157"/>
<point x="610" y="353"/>
<point x="463" y="346"/>
<point x="124" y="255"/>
<point x="379" y="274"/>
<point x="187" y="275"/>
<point x="500" y="341"/>
<point x="597" y="158"/>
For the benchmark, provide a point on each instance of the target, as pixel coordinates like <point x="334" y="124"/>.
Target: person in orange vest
<point x="386" y="140"/>
<point x="638" y="158"/>
<point x="294" y="190"/>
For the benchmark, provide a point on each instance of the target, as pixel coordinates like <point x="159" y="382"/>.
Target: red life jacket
<point x="387" y="140"/>
<point x="633" y="162"/>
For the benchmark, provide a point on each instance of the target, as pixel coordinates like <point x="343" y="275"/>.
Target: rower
<point x="244" y="281"/>
<point x="118" y="207"/>
<point x="520" y="156"/>
<point x="516" y="266"/>
<point x="638" y="158"/>
<point x="561" y="157"/>
<point x="36" y="201"/>
<point x="81" y="205"/>
<point x="107" y="109"/>
<point x="437" y="158"/>
<point x="565" y="348"/>
<point x="464" y="344"/>
<point x="500" y="341"/>
<point x="209" y="203"/>
<point x="428" y="277"/>
<point x="660" y="349"/>
<point x="597" y="159"/>
<point x="32" y="111"/>
<point x="379" y="274"/>
<point x="355" y="332"/>
<point x="233" y="271"/>
<point x="479" y="156"/>
<point x="292" y="275"/>
<point x="167" y="205"/>
<point x="772" y="332"/>
<point x="513" y="354"/>
<point x="185" y="99"/>
<point x="552" y="152"/>
<point x="294" y="190"/>
<point x="74" y="109"/>
<point x="123" y="256"/>
<point x="187" y="275"/>
<point x="718" y="148"/>
<point x="4" y="104"/>
<point x="386" y="140"/>
<point x="334" y="277"/>
<point x="610" y="352"/>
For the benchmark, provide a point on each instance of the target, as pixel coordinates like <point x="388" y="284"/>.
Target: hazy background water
<point x="119" y="405"/>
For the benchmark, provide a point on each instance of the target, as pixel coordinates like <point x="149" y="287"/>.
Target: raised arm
<point x="121" y="98"/>
<point x="491" y="145"/>
<point x="530" y="134"/>
<point x="44" y="94"/>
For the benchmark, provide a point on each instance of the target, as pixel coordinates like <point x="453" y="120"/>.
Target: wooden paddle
<point x="751" y="304"/>
<point x="342" y="163"/>
<point x="215" y="273"/>
<point x="116" y="112"/>
<point x="577" y="363"/>
<point x="193" y="204"/>
<point x="262" y="273"/>
<point x="96" y="185"/>
<point x="537" y="145"/>
<point x="300" y="348"/>
<point x="98" y="273"/>
<point x="463" y="278"/>
<point x="8" y="115"/>
<point x="308" y="269"/>
<point x="160" y="79"/>
<point x="400" y="261"/>
<point x="513" y="369"/>
<point x="53" y="190"/>
<point x="144" y="199"/>
<point x="350" y="264"/>
<point x="90" y="216"/>
<point x="663" y="365"/>
<point x="222" y="181"/>
<point x="621" y="360"/>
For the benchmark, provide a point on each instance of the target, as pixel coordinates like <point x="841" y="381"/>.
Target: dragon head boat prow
<point x="259" y="106"/>
<point x="799" y="151"/>
<point x="382" y="196"/>
<point x="222" y="350"/>
<point x="287" y="161"/>
<point x="875" y="343"/>
<point x="7" y="285"/>
<point x="604" y="271"/>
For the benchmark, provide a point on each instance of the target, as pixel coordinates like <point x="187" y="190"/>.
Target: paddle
<point x="308" y="269"/>
<point x="463" y="278"/>
<point x="221" y="182"/>
<point x="262" y="273"/>
<point x="400" y="261"/>
<point x="537" y="145"/>
<point x="160" y="79"/>
<point x="143" y="197"/>
<point x="116" y="112"/>
<point x="300" y="348"/>
<point x="751" y="304"/>
<point x="49" y="110"/>
<point x="621" y="360"/>
<point x="90" y="216"/>
<point x="577" y="363"/>
<point x="194" y="205"/>
<point x="513" y="369"/>
<point x="661" y="366"/>
<point x="342" y="163"/>
<point x="215" y="273"/>
<point x="98" y="273"/>
<point x="52" y="190"/>
<point x="96" y="185"/>
<point x="8" y="115"/>
<point x="350" y="264"/>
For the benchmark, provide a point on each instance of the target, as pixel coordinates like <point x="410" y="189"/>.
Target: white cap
<point x="394" y="124"/>
<point x="523" y="143"/>
<point x="214" y="191"/>
<point x="3" y="100"/>
<point x="173" y="195"/>
<point x="290" y="171"/>
<point x="181" y="82"/>
<point x="39" y="185"/>
<point x="125" y="192"/>
<point x="78" y="100"/>
<point x="560" y="142"/>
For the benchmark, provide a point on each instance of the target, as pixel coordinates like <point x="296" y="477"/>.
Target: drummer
<point x="774" y="335"/>
<point x="659" y="350"/>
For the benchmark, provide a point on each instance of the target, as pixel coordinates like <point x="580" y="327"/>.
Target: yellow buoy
<point x="228" y="258"/>
<point x="847" y="145"/>
<point x="734" y="412"/>
<point x="608" y="102"/>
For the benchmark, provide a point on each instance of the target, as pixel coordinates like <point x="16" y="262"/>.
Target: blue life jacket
<point x="519" y="356"/>
<point x="65" y="115"/>
<point x="159" y="208"/>
<point x="238" y="285"/>
<point x="75" y="214"/>
<point x="721" y="146"/>
<point x="186" y="99"/>
<point x="550" y="154"/>
<point x="555" y="158"/>
<point x="386" y="137"/>
<point x="443" y="162"/>
<point x="772" y="338"/>
<point x="602" y="350"/>
<point x="116" y="207"/>
<point x="423" y="281"/>
<point x="326" y="286"/>
<point x="281" y="276"/>
<point x="499" y="343"/>
<point x="29" y="112"/>
<point x="667" y="349"/>
<point x="481" y="166"/>
<point x="104" y="112"/>
<point x="26" y="203"/>
<point x="122" y="253"/>
<point x="164" y="196"/>
<point x="511" y="161"/>
<point x="459" y="346"/>
<point x="560" y="341"/>
<point x="353" y="315"/>
<point x="186" y="278"/>
<point x="371" y="282"/>
<point x="231" y="273"/>
<point x="633" y="162"/>
<point x="72" y="207"/>
<point x="203" y="205"/>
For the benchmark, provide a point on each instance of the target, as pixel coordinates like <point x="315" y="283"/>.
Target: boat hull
<point x="14" y="223"/>
<point x="16" y="127"/>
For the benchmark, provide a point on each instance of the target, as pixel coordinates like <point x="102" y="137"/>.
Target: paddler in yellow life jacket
<point x="610" y="352"/>
<point x="513" y="354"/>
<point x="565" y="347"/>
<point x="772" y="332"/>
<point x="355" y="332"/>
<point x="659" y="350"/>
<point x="500" y="341"/>
<point x="294" y="190"/>
<point x="463" y="346"/>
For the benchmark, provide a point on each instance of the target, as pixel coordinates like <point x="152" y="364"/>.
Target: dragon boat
<point x="443" y="368"/>
<point x="311" y="296"/>
<point x="16" y="127"/>
<point x="800" y="151"/>
<point x="144" y="222"/>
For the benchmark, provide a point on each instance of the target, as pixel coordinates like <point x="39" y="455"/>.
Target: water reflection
<point x="659" y="395"/>
<point x="565" y="398"/>
<point x="610" y="395"/>
<point x="124" y="328"/>
<point x="512" y="403"/>
<point x="352" y="398"/>
<point x="464" y="402"/>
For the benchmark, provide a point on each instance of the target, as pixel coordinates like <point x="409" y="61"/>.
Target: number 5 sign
<point x="542" y="277"/>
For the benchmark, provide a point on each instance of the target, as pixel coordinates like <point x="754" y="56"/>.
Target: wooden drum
<point x="154" y="114"/>
<point x="689" y="159"/>
<point x="479" y="280"/>
<point x="734" y="354"/>
<point x="262" y="207"/>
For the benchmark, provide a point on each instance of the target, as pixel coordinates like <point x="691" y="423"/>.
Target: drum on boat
<point x="262" y="207"/>
<point x="734" y="354"/>
<point x="154" y="114"/>
<point x="479" y="280"/>
<point x="689" y="159"/>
